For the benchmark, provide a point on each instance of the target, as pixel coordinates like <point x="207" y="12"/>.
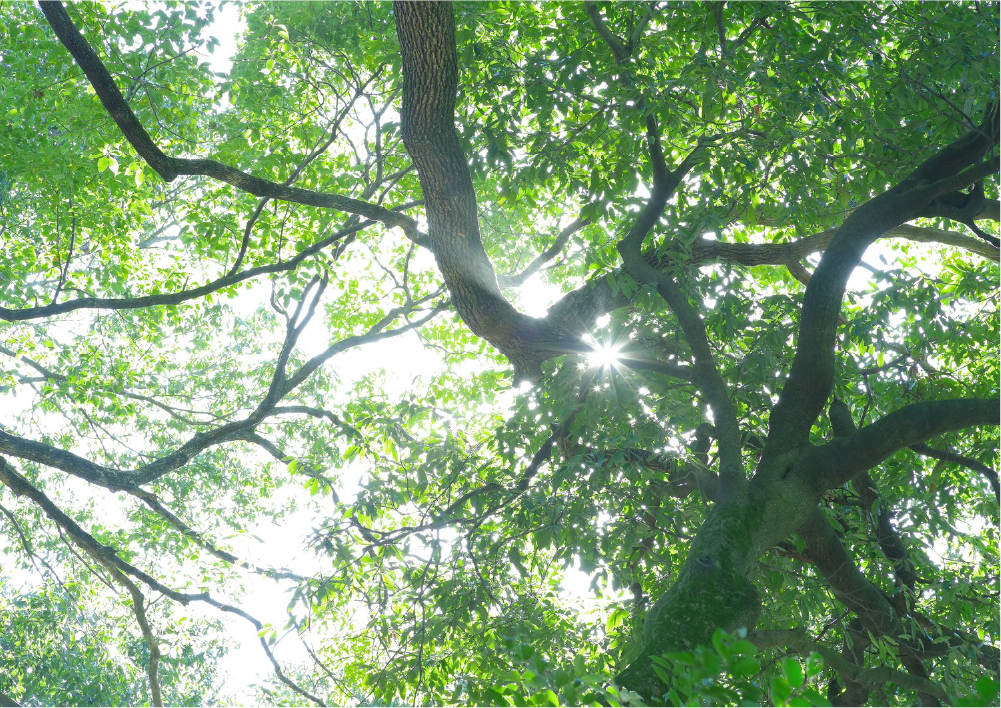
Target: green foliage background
<point x="408" y="594"/>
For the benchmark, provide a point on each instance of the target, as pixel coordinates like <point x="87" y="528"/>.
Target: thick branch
<point x="847" y="457"/>
<point x="886" y="535"/>
<point x="619" y="50"/>
<point x="427" y="124"/>
<point x="859" y="595"/>
<point x="851" y="588"/>
<point x="812" y="375"/>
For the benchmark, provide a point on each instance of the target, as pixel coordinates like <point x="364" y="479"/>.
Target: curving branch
<point x="751" y="254"/>
<point x="135" y="303"/>
<point x="886" y="534"/>
<point x="860" y="596"/>
<point x="963" y="460"/>
<point x="630" y="247"/>
<point x="811" y="377"/>
<point x="844" y="458"/>
<point x="619" y="49"/>
<point x="169" y="168"/>
<point x="559" y="243"/>
<point x="797" y="640"/>
<point x="427" y="124"/>
<point x="108" y="557"/>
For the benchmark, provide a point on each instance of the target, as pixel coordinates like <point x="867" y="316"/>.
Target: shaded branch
<point x="798" y="640"/>
<point x="886" y="535"/>
<point x="705" y="251"/>
<point x="844" y="458"/>
<point x="618" y="47"/>
<point x="811" y="377"/>
<point x="967" y="462"/>
<point x="849" y="585"/>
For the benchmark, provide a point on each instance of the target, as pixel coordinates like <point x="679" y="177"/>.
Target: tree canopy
<point x="528" y="353"/>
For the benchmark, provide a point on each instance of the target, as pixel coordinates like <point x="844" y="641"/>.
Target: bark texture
<point x="427" y="122"/>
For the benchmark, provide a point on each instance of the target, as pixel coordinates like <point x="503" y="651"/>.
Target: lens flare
<point x="604" y="355"/>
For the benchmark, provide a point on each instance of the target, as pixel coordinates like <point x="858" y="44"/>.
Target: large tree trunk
<point x="712" y="590"/>
<point x="427" y="123"/>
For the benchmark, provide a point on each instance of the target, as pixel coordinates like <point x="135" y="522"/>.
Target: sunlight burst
<point x="604" y="355"/>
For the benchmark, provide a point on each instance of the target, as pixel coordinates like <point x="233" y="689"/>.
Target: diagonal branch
<point x="116" y="480"/>
<point x="619" y="50"/>
<point x="844" y="458"/>
<point x="154" y="503"/>
<point x="135" y="303"/>
<point x="963" y="460"/>
<point x="169" y="168"/>
<point x="109" y="558"/>
<point x="859" y="595"/>
<point x="811" y="377"/>
<point x="518" y="279"/>
<point x="886" y="535"/>
<point x="798" y="641"/>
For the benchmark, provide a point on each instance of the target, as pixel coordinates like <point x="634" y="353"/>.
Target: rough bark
<point x="427" y="124"/>
<point x="712" y="588"/>
<point x="791" y="474"/>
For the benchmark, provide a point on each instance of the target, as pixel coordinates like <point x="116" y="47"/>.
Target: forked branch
<point x="811" y="378"/>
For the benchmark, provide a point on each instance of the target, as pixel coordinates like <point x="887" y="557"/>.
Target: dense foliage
<point x="500" y="353"/>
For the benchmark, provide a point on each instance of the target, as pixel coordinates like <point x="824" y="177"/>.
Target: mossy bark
<point x="712" y="590"/>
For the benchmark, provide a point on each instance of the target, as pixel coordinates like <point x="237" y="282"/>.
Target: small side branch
<point x="967" y="462"/>
<point x="176" y="298"/>
<point x="117" y="480"/>
<point x="518" y="279"/>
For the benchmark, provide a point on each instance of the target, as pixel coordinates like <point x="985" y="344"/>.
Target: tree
<point x="727" y="444"/>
